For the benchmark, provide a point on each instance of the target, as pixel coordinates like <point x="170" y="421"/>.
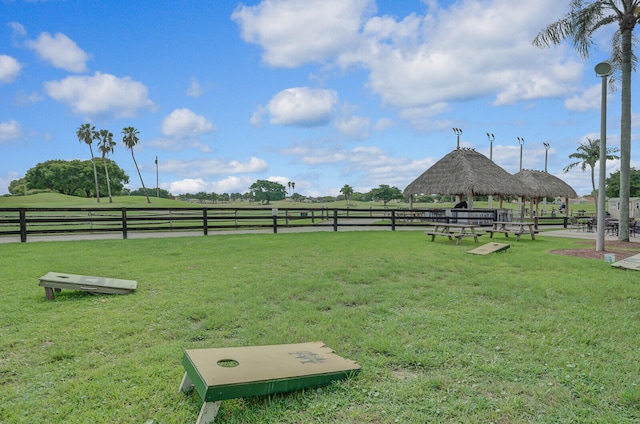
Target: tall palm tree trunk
<point x="95" y="174"/>
<point x="140" y="175"/>
<point x="108" y="180"/>
<point x="625" y="135"/>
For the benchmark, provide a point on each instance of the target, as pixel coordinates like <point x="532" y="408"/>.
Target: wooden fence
<point x="65" y="221"/>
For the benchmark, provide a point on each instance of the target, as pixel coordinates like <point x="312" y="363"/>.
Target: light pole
<point x="491" y="137"/>
<point x="521" y="142"/>
<point x="603" y="70"/>
<point x="157" y="186"/>
<point x="520" y="203"/>
<point x="458" y="132"/>
<point x="547" y="146"/>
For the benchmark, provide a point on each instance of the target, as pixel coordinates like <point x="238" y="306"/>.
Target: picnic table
<point x="453" y="230"/>
<point x="516" y="228"/>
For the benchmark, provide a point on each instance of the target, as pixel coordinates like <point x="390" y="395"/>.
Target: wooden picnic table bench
<point x="453" y="230"/>
<point x="516" y="228"/>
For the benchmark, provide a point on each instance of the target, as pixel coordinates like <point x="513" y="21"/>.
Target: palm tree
<point x="347" y="192"/>
<point x="584" y="18"/>
<point x="106" y="145"/>
<point x="130" y="139"/>
<point x="588" y="154"/>
<point x="86" y="134"/>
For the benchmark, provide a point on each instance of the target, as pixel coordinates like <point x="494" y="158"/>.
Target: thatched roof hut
<point x="543" y="184"/>
<point x="465" y="172"/>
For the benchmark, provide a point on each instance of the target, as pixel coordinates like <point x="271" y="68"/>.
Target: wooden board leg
<point x="208" y="412"/>
<point x="48" y="292"/>
<point x="186" y="385"/>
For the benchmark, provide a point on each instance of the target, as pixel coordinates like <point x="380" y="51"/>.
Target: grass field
<point x="442" y="336"/>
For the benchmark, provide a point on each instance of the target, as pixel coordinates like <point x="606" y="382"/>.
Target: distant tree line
<point x="73" y="178"/>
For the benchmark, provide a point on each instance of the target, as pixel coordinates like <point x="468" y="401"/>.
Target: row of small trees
<point x="87" y="134"/>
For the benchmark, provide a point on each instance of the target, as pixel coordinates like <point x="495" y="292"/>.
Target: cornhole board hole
<point x="58" y="280"/>
<point x="632" y="262"/>
<point x="485" y="249"/>
<point x="226" y="373"/>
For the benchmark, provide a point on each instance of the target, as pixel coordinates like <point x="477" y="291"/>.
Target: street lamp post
<point x="157" y="186"/>
<point x="603" y="70"/>
<point x="520" y="203"/>
<point x="547" y="146"/>
<point x="458" y="132"/>
<point x="491" y="137"/>
<point x="521" y="142"/>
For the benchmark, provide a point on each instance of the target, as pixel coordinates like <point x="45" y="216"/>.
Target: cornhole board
<point x="485" y="249"/>
<point x="632" y="262"/>
<point x="58" y="280"/>
<point x="226" y="373"/>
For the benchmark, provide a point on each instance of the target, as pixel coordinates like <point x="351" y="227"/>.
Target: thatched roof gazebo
<point x="543" y="184"/>
<point x="465" y="172"/>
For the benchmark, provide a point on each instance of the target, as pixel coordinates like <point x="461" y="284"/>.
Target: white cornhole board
<point x="485" y="249"/>
<point x="227" y="373"/>
<point x="632" y="262"/>
<point x="58" y="280"/>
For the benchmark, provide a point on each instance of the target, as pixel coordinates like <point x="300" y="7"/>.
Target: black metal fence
<point x="60" y="221"/>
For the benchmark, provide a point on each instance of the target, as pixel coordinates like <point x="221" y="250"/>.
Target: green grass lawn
<point x="443" y="336"/>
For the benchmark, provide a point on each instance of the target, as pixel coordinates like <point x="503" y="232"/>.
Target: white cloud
<point x="184" y="123"/>
<point x="101" y="94"/>
<point x="9" y="68"/>
<point x="590" y="99"/>
<point x="195" y="89"/>
<point x="456" y="58"/>
<point x="382" y="124"/>
<point x="60" y="51"/>
<point x="194" y="185"/>
<point x="461" y="51"/>
<point x="23" y="98"/>
<point x="354" y="127"/>
<point x="17" y="29"/>
<point x="191" y="168"/>
<point x="175" y="145"/>
<point x="294" y="32"/>
<point x="188" y="185"/>
<point x="302" y="106"/>
<point x="10" y="131"/>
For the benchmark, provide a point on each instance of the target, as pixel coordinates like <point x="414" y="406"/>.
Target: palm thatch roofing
<point x="466" y="172"/>
<point x="543" y="184"/>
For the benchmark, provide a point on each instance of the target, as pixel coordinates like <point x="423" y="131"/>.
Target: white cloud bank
<point x="60" y="51"/>
<point x="101" y="94"/>
<point x="9" y="68"/>
<point x="466" y="50"/>
<point x="300" y="106"/>
<point x="10" y="131"/>
<point x="184" y="123"/>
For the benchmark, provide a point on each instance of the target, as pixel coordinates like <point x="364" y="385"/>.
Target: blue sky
<point x="322" y="93"/>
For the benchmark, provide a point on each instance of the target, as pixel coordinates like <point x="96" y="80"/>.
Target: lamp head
<point x="604" y="69"/>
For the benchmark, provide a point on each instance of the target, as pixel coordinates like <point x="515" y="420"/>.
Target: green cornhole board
<point x="485" y="249"/>
<point x="632" y="262"/>
<point x="58" y="280"/>
<point x="227" y="373"/>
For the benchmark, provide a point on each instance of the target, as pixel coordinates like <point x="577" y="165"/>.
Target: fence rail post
<point x="124" y="223"/>
<point x="23" y="225"/>
<point x="335" y="220"/>
<point x="205" y="224"/>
